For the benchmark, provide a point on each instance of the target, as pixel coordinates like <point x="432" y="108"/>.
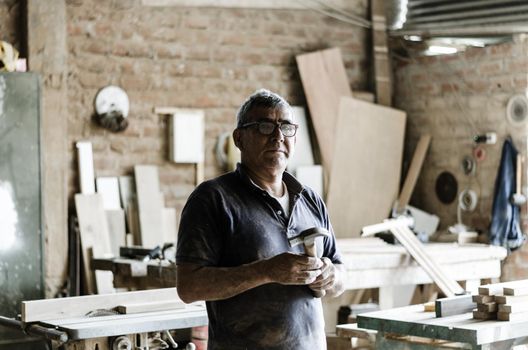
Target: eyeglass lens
<point x="287" y="130"/>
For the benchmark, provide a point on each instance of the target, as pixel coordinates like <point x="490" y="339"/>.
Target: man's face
<point x="266" y="153"/>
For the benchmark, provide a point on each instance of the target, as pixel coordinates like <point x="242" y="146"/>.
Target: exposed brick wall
<point x="187" y="57"/>
<point x="10" y="22"/>
<point x="453" y="98"/>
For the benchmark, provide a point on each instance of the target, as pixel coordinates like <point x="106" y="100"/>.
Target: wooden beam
<point x="454" y="306"/>
<point x="49" y="309"/>
<point x="414" y="172"/>
<point x="158" y="305"/>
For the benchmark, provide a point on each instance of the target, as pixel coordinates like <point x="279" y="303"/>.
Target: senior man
<point x="233" y="249"/>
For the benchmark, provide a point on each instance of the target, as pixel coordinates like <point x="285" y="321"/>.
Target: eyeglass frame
<point x="276" y="125"/>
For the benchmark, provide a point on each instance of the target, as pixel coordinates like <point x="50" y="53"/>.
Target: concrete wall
<point x="454" y="98"/>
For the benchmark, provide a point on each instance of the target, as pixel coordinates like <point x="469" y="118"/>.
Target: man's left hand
<point x="330" y="279"/>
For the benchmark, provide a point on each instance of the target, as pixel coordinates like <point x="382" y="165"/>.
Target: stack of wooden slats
<point x="506" y="301"/>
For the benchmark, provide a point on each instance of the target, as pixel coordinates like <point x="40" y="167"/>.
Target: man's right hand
<point x="289" y="268"/>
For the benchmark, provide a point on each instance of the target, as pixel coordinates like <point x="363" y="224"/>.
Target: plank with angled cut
<point x="325" y="81"/>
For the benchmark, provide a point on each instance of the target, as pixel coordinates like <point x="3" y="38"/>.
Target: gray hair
<point x="261" y="98"/>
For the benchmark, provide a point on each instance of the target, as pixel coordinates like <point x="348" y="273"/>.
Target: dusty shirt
<point x="228" y="222"/>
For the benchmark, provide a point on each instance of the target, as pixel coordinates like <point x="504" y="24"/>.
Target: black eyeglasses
<point x="268" y="128"/>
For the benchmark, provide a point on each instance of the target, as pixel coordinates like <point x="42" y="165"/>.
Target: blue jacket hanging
<point x="505" y="228"/>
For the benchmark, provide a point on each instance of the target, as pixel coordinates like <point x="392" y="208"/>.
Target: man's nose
<point x="277" y="134"/>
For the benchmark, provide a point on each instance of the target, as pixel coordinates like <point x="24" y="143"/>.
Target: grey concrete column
<point x="48" y="56"/>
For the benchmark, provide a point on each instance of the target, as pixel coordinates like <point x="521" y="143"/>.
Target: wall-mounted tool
<point x="518" y="198"/>
<point x="517" y="110"/>
<point x="446" y="187"/>
<point x="489" y="138"/>
<point x="111" y="108"/>
<point x="469" y="165"/>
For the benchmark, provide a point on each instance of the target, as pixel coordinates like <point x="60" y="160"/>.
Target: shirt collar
<point x="293" y="186"/>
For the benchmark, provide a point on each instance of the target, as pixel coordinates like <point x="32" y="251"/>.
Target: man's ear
<point x="237" y="138"/>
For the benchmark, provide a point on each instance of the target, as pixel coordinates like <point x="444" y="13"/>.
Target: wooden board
<point x="311" y="176"/>
<point x="512" y="317"/>
<point x="513" y="287"/>
<point x="186" y="136"/>
<point x="324" y="80"/>
<point x="368" y="156"/>
<point x="482" y="315"/>
<point x="108" y="187"/>
<point x="116" y="229"/>
<point x="382" y="69"/>
<point x="86" y="167"/>
<point x="158" y="305"/>
<point x="127" y="190"/>
<point x="149" y="206"/>
<point x="516" y="288"/>
<point x="414" y="171"/>
<point x="95" y="240"/>
<point x="411" y="320"/>
<point x="49" y="309"/>
<point x="454" y="306"/>
<point x="303" y="155"/>
<point x="487" y="307"/>
<point x="483" y="298"/>
<point x="511" y="299"/>
<point x="513" y="308"/>
<point x="170" y="225"/>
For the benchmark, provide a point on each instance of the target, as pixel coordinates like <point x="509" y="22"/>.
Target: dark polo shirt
<point x="227" y="222"/>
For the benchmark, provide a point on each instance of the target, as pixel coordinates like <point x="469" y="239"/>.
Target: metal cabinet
<point x="21" y="262"/>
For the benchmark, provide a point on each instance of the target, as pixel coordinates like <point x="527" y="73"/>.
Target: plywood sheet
<point x="365" y="176"/>
<point x="150" y="205"/>
<point x="324" y="81"/>
<point x="95" y="241"/>
<point x="303" y="155"/>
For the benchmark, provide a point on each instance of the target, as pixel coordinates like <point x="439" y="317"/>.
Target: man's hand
<point x="289" y="268"/>
<point x="330" y="279"/>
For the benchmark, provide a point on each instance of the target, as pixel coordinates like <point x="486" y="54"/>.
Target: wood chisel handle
<point x="311" y="250"/>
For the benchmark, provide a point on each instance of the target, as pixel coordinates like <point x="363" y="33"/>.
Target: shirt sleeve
<point x="199" y="236"/>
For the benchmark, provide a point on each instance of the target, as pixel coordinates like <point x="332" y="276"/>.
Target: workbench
<point x="467" y="333"/>
<point x="370" y="263"/>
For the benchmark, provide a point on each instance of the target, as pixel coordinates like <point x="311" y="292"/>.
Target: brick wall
<point x="453" y="98"/>
<point x="187" y="57"/>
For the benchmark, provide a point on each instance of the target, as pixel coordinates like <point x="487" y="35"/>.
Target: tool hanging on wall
<point x="517" y="110"/>
<point x="518" y="198"/>
<point x="446" y="187"/>
<point x="111" y="108"/>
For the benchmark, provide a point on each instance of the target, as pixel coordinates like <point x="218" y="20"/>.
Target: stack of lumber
<point x="506" y="301"/>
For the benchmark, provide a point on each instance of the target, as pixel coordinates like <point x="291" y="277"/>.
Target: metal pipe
<point x="35" y="329"/>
